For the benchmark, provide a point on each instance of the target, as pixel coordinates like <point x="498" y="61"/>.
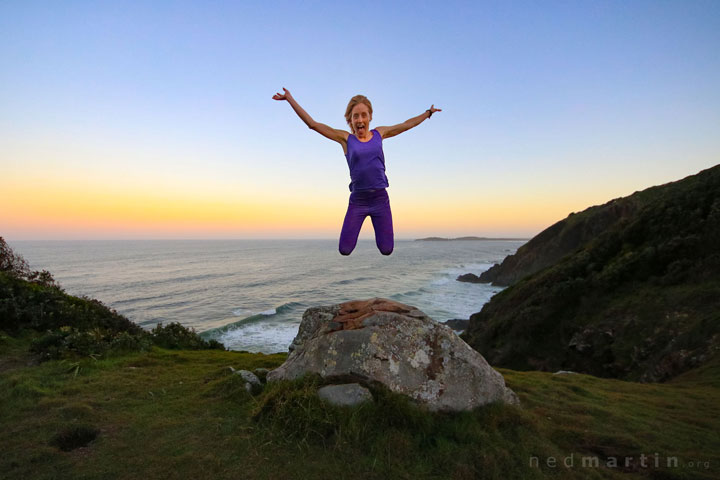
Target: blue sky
<point x="548" y="108"/>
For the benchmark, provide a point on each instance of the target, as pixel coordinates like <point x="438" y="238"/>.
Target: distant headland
<point x="441" y="239"/>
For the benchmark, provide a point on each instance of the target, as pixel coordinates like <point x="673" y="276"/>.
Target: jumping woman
<point x="364" y="154"/>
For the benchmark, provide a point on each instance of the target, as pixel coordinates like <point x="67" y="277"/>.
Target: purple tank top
<point x="367" y="163"/>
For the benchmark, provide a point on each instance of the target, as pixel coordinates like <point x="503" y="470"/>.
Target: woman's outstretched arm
<point x="337" y="135"/>
<point x="387" y="132"/>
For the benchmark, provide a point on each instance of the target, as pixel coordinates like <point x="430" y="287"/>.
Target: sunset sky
<point x="155" y="119"/>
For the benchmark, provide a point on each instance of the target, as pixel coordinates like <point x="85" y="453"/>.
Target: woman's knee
<point x="386" y="249"/>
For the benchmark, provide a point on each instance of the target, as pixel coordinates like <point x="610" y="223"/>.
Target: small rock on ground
<point x="345" y="395"/>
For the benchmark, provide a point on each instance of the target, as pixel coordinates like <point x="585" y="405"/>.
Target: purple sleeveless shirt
<point x="367" y="163"/>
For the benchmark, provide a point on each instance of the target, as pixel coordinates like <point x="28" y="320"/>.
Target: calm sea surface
<point x="251" y="294"/>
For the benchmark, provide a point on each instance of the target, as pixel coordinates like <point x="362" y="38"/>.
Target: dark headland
<point x="629" y="289"/>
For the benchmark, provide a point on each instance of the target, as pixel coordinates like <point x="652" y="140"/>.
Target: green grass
<point x="182" y="414"/>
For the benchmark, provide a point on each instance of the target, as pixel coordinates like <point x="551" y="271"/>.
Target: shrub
<point x="75" y="325"/>
<point x="176" y="336"/>
<point x="50" y="345"/>
<point x="15" y="265"/>
<point x="127" y="342"/>
<point x="69" y="341"/>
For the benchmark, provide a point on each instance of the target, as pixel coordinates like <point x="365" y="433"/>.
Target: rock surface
<point x="380" y="340"/>
<point x="252" y="382"/>
<point x="261" y="373"/>
<point x="345" y="395"/>
<point x="470" y="278"/>
<point x="457" y="324"/>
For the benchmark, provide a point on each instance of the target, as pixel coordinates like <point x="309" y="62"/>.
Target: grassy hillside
<point x="86" y="396"/>
<point x="182" y="414"/>
<point x="639" y="300"/>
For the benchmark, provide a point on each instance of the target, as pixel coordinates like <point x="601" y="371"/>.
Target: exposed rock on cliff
<point x="457" y="324"/>
<point x="380" y="340"/>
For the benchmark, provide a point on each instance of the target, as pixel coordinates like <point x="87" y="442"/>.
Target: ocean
<point x="251" y="294"/>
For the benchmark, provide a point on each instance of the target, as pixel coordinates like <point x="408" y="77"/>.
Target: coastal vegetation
<point x="166" y="406"/>
<point x="65" y="324"/>
<point x="629" y="289"/>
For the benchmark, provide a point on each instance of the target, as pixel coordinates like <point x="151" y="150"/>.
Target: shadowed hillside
<point x="629" y="289"/>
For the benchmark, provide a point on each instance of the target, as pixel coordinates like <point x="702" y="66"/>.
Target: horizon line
<point x="402" y="239"/>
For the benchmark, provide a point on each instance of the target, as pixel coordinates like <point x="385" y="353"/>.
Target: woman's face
<point x="360" y="118"/>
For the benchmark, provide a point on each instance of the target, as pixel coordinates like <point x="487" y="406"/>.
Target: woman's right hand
<point x="282" y="96"/>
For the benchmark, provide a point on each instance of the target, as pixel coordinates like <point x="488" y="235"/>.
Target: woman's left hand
<point x="433" y="109"/>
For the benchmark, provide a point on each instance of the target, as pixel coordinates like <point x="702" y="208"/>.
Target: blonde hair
<point x="354" y="101"/>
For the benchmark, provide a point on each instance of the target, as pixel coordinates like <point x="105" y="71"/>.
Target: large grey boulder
<point x="380" y="340"/>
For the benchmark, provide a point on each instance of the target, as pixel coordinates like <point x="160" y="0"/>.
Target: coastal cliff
<point x="565" y="237"/>
<point x="629" y="289"/>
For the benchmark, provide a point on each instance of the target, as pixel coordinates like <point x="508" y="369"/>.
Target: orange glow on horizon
<point x="52" y="207"/>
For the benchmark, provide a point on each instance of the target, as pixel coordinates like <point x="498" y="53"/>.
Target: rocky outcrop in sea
<point x="470" y="278"/>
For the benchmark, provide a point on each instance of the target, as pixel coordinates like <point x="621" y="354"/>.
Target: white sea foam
<point x="261" y="337"/>
<point x="476" y="268"/>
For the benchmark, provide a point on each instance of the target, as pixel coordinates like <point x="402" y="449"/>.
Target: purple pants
<point x="375" y="203"/>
